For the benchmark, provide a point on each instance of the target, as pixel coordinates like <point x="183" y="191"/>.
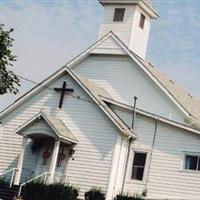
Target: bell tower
<point x="130" y="20"/>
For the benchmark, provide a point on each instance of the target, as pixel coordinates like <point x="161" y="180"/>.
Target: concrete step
<point x="8" y="193"/>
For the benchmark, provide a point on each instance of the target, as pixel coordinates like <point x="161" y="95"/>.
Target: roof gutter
<point x="159" y="118"/>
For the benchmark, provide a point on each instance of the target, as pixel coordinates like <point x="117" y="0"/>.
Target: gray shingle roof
<point x="190" y="103"/>
<point x="57" y="125"/>
<point x="187" y="101"/>
<point x="97" y="91"/>
<point x="60" y="128"/>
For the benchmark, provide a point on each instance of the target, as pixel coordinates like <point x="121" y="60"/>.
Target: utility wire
<point x="72" y="95"/>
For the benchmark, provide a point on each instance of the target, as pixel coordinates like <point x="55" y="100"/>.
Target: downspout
<point x="151" y="154"/>
<point x="129" y="144"/>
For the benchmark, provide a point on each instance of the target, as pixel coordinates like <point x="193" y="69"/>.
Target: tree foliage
<point x="9" y="82"/>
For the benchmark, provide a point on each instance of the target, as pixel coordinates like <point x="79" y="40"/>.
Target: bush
<point x="95" y="194"/>
<point x="35" y="191"/>
<point x="3" y="183"/>
<point x="41" y="191"/>
<point x="61" y="192"/>
<point x="128" y="197"/>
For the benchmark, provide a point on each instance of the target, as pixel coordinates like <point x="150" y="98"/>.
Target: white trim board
<point x="82" y="56"/>
<point x="151" y="115"/>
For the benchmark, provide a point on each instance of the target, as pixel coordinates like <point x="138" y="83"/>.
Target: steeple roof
<point x="145" y="4"/>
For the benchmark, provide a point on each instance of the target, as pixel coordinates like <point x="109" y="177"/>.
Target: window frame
<point x="138" y="166"/>
<point x="115" y="13"/>
<point x="183" y="162"/>
<point x="142" y="21"/>
<point x="146" y="167"/>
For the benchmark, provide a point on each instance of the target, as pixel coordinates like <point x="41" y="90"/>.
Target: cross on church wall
<point x="63" y="91"/>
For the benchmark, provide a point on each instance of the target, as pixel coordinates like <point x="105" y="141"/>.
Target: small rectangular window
<point x="138" y="166"/>
<point x="119" y="14"/>
<point x="192" y="162"/>
<point x="142" y="21"/>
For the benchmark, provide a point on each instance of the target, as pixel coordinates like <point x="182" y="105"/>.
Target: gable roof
<point x="144" y="4"/>
<point x="88" y="87"/>
<point x="94" y="92"/>
<point x="129" y="108"/>
<point x="57" y="125"/>
<point x="190" y="103"/>
<point x="190" y="106"/>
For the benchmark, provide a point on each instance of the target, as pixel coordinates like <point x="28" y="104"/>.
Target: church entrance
<point x="46" y="148"/>
<point x="45" y="158"/>
<point x="38" y="159"/>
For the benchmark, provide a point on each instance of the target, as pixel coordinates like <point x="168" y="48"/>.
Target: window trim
<point x="138" y="166"/>
<point x="142" y="21"/>
<point x="146" y="168"/>
<point x="183" y="162"/>
<point x="114" y="17"/>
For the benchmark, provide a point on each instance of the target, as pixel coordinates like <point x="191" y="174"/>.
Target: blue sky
<point x="50" y="33"/>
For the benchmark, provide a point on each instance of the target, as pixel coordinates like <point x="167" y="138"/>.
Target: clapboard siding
<point x="96" y="135"/>
<point x="172" y="181"/>
<point x="166" y="177"/>
<point x="139" y="37"/>
<point x="129" y="31"/>
<point x="40" y="127"/>
<point x="123" y="79"/>
<point x="122" y="29"/>
<point x="108" y="46"/>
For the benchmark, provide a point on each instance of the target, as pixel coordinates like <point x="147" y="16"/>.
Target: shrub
<point x="41" y="191"/>
<point x="35" y="191"/>
<point x="59" y="191"/>
<point x="95" y="194"/>
<point x="3" y="183"/>
<point x="128" y="197"/>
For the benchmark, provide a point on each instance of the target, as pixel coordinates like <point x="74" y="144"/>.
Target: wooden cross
<point x="63" y="90"/>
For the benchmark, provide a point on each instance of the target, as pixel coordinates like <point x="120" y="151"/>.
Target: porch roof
<point x="58" y="126"/>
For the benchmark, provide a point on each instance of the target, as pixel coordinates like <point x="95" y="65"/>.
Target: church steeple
<point x="130" y="20"/>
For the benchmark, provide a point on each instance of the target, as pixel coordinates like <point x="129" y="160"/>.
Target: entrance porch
<point x="46" y="148"/>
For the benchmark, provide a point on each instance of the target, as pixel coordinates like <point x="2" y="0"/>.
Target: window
<point x="119" y="14"/>
<point x="192" y="162"/>
<point x="138" y="166"/>
<point x="142" y="21"/>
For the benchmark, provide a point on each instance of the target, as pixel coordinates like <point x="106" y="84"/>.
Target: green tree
<point x="9" y="82"/>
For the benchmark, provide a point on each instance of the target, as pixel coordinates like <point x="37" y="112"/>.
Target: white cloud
<point x="47" y="35"/>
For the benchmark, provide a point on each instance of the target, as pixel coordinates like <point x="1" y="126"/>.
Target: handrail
<point x="13" y="170"/>
<point x="45" y="174"/>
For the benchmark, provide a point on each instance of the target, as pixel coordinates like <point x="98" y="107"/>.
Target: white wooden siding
<point x="171" y="143"/>
<point x="40" y="127"/>
<point x="121" y="29"/>
<point x="128" y="31"/>
<point x="139" y="37"/>
<point x="96" y="135"/>
<point x="166" y="180"/>
<point x="108" y="46"/>
<point x="123" y="79"/>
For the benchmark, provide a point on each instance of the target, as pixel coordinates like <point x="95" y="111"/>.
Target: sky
<point x="48" y="34"/>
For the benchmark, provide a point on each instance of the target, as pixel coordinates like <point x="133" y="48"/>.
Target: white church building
<point x="108" y="118"/>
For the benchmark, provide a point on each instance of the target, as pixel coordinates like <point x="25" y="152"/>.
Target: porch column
<point x="20" y="161"/>
<point x="54" y="161"/>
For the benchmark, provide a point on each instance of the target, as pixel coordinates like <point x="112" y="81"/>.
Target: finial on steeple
<point x="130" y="20"/>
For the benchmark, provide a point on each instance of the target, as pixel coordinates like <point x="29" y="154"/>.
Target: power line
<point x="72" y="95"/>
<point x="31" y="81"/>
